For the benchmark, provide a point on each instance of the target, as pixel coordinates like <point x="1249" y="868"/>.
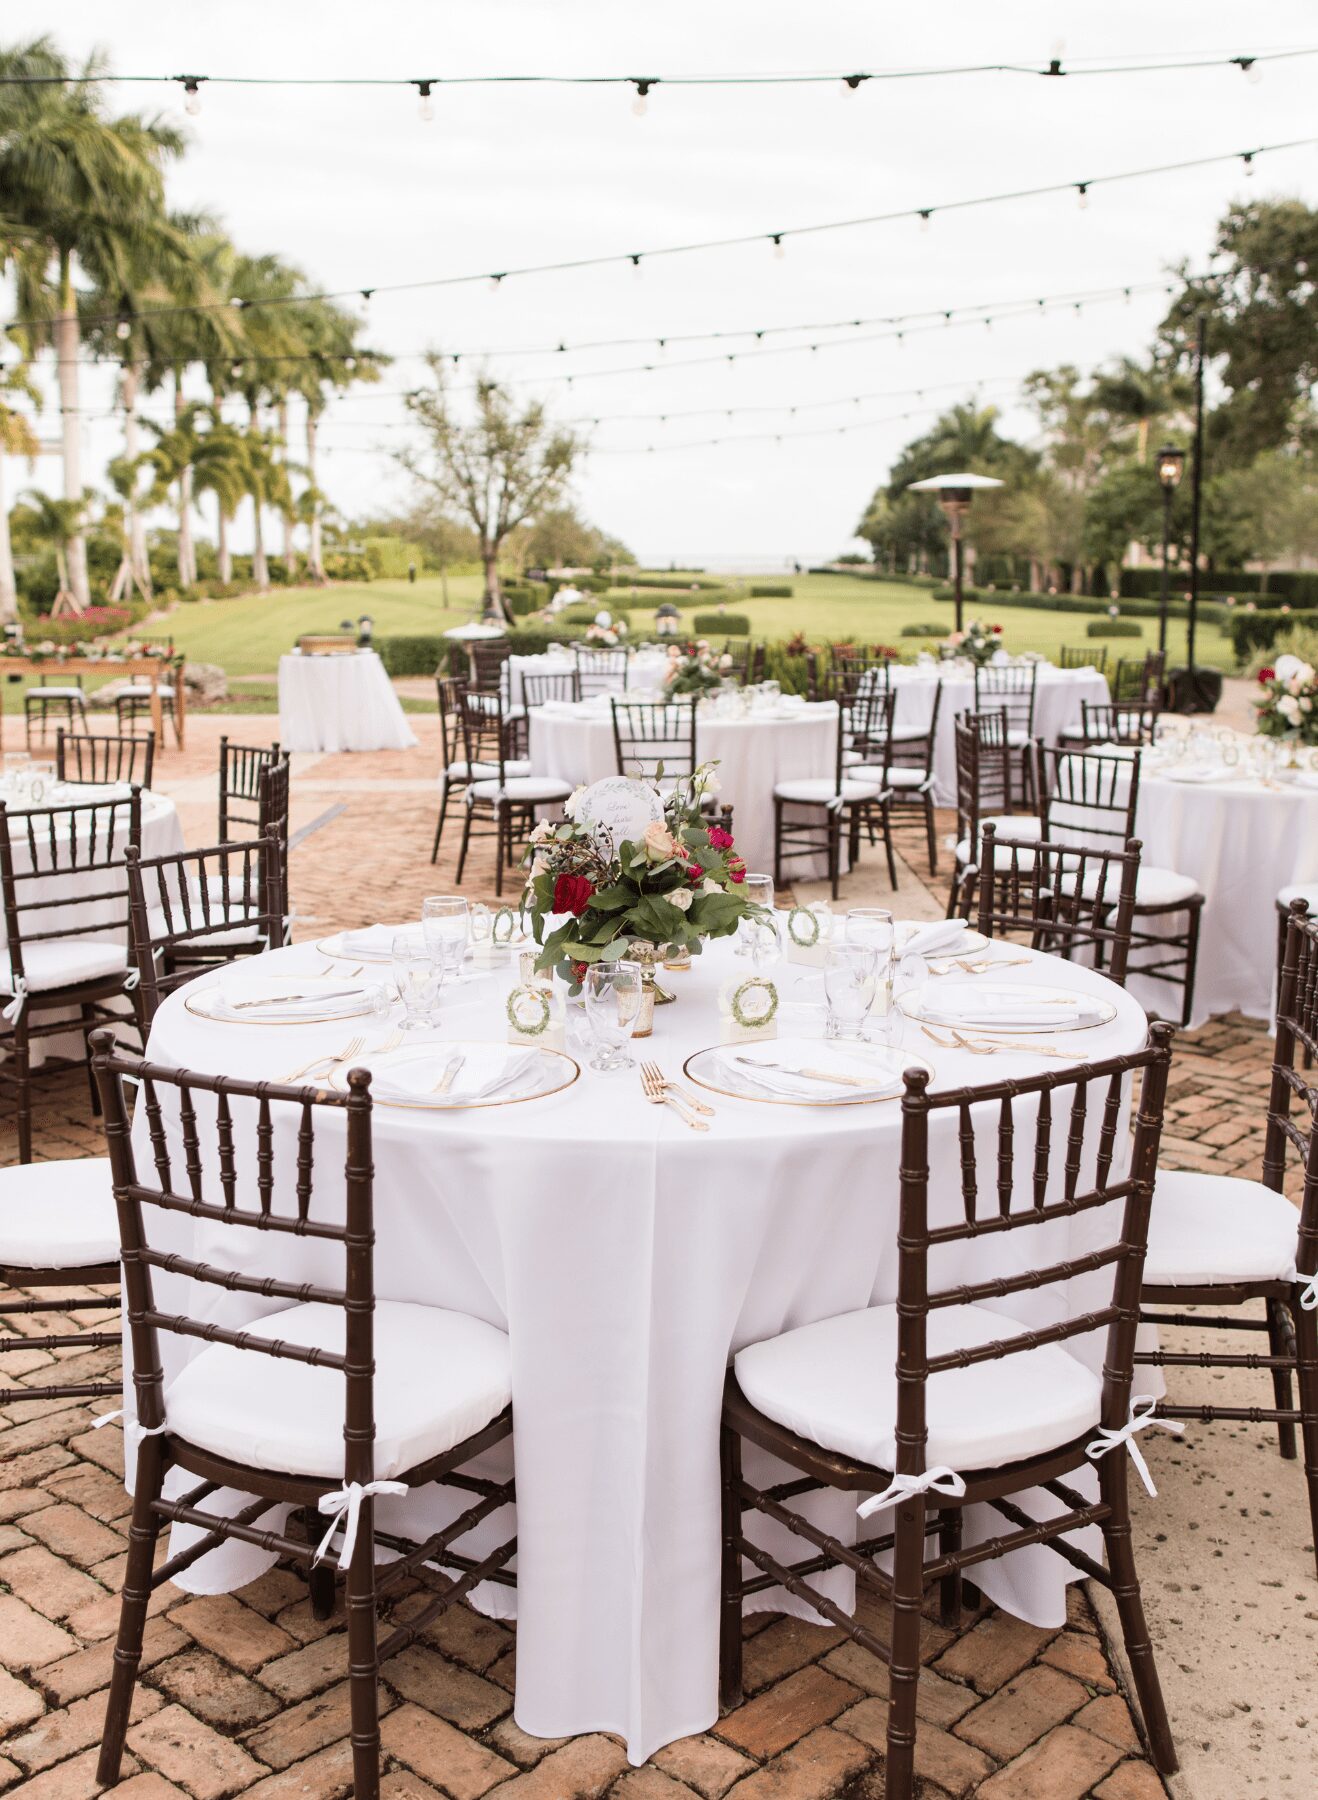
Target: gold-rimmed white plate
<point x="702" y="1069"/>
<point x="937" y="1008"/>
<point x="411" y="1074"/>
<point x="966" y="943"/>
<point x="209" y="1004"/>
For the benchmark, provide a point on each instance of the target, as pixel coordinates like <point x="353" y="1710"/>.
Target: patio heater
<point x="955" y="493"/>
<point x="365" y="631"/>
<point x="1171" y="466"/>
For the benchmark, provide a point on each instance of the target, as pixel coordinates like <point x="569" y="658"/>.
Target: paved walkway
<point x="245" y="1694"/>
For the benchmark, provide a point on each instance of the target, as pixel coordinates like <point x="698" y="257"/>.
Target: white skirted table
<point x="1057" y="698"/>
<point x="787" y="741"/>
<point x="343" y="702"/>
<point x="643" y="674"/>
<point x="627" y="1259"/>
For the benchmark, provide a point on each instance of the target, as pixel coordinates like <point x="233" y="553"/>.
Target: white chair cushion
<point x="1018" y="738"/>
<point x="819" y="790"/>
<point x="439" y="1376"/>
<point x="514" y="768"/>
<point x="1017" y="827"/>
<point x="833" y="1382"/>
<point x="58" y="1215"/>
<point x="1153" y="886"/>
<point x="906" y="778"/>
<point x="63" y="962"/>
<point x="909" y="734"/>
<point x="1303" y="890"/>
<point x="539" y="788"/>
<point x="55" y="693"/>
<point x="1210" y="1228"/>
<point x="143" y="691"/>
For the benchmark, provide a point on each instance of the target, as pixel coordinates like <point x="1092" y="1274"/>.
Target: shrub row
<point x="729" y="624"/>
<point x="1298" y="586"/>
<point x="1113" y="628"/>
<point x="766" y="591"/>
<point x="668" y="583"/>
<point x="1212" y="611"/>
<point x="925" y="629"/>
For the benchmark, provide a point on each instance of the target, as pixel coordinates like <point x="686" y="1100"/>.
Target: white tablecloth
<point x="1241" y="842"/>
<point x="575" y="743"/>
<point x="628" y="1258"/>
<point x="339" y="703"/>
<point x="1057" y="701"/>
<point x="644" y="673"/>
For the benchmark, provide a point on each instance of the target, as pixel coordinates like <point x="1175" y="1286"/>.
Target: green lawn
<point x="247" y="636"/>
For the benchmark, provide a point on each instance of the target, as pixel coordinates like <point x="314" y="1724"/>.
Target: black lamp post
<point x="1171" y="466"/>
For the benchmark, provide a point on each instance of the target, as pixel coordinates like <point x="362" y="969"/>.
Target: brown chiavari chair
<point x="600" y="671"/>
<point x="1012" y="691"/>
<point x="241" y="769"/>
<point x="851" y="799"/>
<point x="559" y="685"/>
<point x="1226" y="1243"/>
<point x="1085" y="797"/>
<point x="985" y="789"/>
<point x="911" y="771"/>
<point x="1104" y="722"/>
<point x="755" y="664"/>
<point x="259" y="1407"/>
<point x="488" y="655"/>
<point x="1059" y="898"/>
<point x="1300" y="890"/>
<point x="64" y="698"/>
<point x="1140" y="683"/>
<point x="501" y="804"/>
<point x="979" y="1407"/>
<point x="816" y="679"/>
<point x="651" y="733"/>
<point x="197" y="909"/>
<point x="65" y="900"/>
<point x="1081" y="656"/>
<point x="455" y="773"/>
<point x="97" y="761"/>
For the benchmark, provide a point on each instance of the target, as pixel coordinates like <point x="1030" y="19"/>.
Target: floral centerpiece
<point x="693" y="668"/>
<point x="677" y="884"/>
<point x="979" y="642"/>
<point x="604" y="631"/>
<point x="1288" y="704"/>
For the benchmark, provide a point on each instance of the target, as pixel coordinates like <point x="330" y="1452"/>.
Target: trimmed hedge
<point x="1297" y="586"/>
<point x="674" y="584"/>
<point x="1251" y="631"/>
<point x="771" y="593"/>
<point x="927" y="628"/>
<point x="1113" y="628"/>
<point x="729" y="624"/>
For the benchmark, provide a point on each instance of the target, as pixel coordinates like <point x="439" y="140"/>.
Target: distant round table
<point x="343" y="702"/>
<point x="754" y="753"/>
<point x="1057" y="699"/>
<point x="643" y="675"/>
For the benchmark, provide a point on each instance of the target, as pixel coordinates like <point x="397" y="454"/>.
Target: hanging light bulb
<point x="926" y="213"/>
<point x="636" y="265"/>
<point x="850" y="83"/>
<point x="641" y="104"/>
<point x="779" y="248"/>
<point x="350" y="364"/>
<point x="1082" y="189"/>
<point x="1248" y="160"/>
<point x="366" y="302"/>
<point x="124" y="329"/>
<point x="426" y="107"/>
<point x="192" y="92"/>
<point x="495" y="281"/>
<point x="236" y="371"/>
<point x="1251" y="68"/>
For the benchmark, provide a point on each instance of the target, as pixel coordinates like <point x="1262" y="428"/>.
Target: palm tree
<point x="58" y="523"/>
<point x="16" y="439"/>
<point x="220" y="467"/>
<point x="268" y="288"/>
<point x="88" y="192"/>
<point x="1139" y="394"/>
<point x="334" y="363"/>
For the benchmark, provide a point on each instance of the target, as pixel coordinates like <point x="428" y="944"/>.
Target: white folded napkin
<point x="791" y="1054"/>
<point x="956" y="1003"/>
<point x="1305" y="778"/>
<point x="373" y="940"/>
<point x="1194" y="773"/>
<point x="930" y="940"/>
<point x="488" y="1070"/>
<point x="291" y="996"/>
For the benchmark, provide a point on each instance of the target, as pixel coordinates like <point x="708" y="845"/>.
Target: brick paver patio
<point x="246" y="1694"/>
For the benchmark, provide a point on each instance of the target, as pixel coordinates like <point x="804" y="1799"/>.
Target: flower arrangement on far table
<point x="693" y="668"/>
<point x="1288" y="704"/>
<point x="979" y="642"/>
<point x="676" y="885"/>
<point x="605" y="631"/>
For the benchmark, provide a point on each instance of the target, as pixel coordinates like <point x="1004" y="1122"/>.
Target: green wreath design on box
<point x="503" y="925"/>
<point x="542" y="1001"/>
<point x="803" y="916"/>
<point x="737" y="1006"/>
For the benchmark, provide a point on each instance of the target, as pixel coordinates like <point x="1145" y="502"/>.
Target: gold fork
<point x="659" y="1096"/>
<point x="1026" y="1048"/>
<point x="657" y="1076"/>
<point x="351" y="1048"/>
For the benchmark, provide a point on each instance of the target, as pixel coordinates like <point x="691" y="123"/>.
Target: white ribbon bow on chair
<point x="1309" y="1292"/>
<point x="16" y="1005"/>
<point x="345" y="1504"/>
<point x="939" y="1480"/>
<point x="1142" y="1407"/>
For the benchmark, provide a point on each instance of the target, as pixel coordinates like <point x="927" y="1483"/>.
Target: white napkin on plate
<point x="373" y="940"/>
<point x="791" y="1054"/>
<point x="1190" y="772"/>
<point x="958" y="1004"/>
<point x="930" y="940"/>
<point x="413" y="1072"/>
<point x="291" y="996"/>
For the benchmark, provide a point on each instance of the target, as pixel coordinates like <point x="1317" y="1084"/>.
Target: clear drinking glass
<point x="446" y="924"/>
<point x="612" y="993"/>
<point x="849" y="984"/>
<point x="872" y="926"/>
<point x="419" y="977"/>
<point x="40" y="782"/>
<point x="16" y="764"/>
<point x="757" y="890"/>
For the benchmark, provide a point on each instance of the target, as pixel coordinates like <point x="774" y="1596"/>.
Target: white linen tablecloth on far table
<point x="1241" y="842"/>
<point x="339" y="703"/>
<point x="754" y="753"/>
<point x="644" y="673"/>
<point x="628" y="1259"/>
<point x="1057" y="699"/>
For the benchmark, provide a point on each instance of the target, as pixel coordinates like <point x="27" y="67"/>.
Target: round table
<point x="644" y="673"/>
<point x="754" y="752"/>
<point x="1242" y="841"/>
<point x="627" y="1258"/>
<point x="1057" y="698"/>
<point x="339" y="702"/>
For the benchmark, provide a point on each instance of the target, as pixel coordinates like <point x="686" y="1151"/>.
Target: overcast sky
<point x="354" y="188"/>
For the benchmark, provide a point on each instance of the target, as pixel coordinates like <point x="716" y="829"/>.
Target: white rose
<point x="1289" y="708"/>
<point x="1286" y="667"/>
<point x="681" y="898"/>
<point x="710" y="887"/>
<point x="572" y="805"/>
<point x="542" y="833"/>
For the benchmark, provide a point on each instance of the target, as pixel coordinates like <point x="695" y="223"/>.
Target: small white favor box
<point x="748" y="1010"/>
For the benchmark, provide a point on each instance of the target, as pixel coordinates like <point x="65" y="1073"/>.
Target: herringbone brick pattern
<point x="245" y="1694"/>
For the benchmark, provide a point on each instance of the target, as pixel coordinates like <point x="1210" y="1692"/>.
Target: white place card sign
<point x="622" y="806"/>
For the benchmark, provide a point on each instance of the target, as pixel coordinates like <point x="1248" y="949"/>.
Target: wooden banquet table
<point x="627" y="1258"/>
<point x="151" y="669"/>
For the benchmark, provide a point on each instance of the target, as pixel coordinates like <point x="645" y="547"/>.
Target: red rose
<point x="579" y="972"/>
<point x="1267" y="675"/>
<point x="996" y="630"/>
<point x="718" y="838"/>
<point x="572" y="894"/>
<point x="695" y="872"/>
<point x="737" y="872"/>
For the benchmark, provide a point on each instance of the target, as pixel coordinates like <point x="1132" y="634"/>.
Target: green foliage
<point x="763" y="591"/>
<point x="727" y="624"/>
<point x="1113" y="628"/>
<point x="674" y="584"/>
<point x="387" y="558"/>
<point x="926" y="628"/>
<point x="1252" y="631"/>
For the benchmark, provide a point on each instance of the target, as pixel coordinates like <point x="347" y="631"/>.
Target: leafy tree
<point x="16" y="439"/>
<point x="1276" y="500"/>
<point x="1139" y="395"/>
<point x="57" y="523"/>
<point x="560" y="538"/>
<point x="496" y="470"/>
